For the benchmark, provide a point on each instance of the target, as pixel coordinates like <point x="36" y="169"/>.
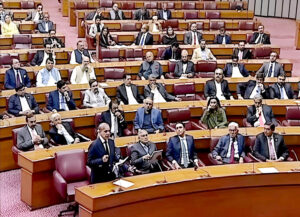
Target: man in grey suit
<point x="141" y="153"/>
<point x="46" y="25"/>
<point x="142" y="14"/>
<point x="270" y="146"/>
<point x="31" y="136"/>
<point x="184" y="68"/>
<point x="272" y="68"/>
<point x="192" y="37"/>
<point x="35" y="15"/>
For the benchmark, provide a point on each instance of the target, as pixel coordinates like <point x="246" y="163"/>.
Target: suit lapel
<point x="134" y="92"/>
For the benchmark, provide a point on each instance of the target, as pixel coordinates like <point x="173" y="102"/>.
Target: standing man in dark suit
<point x="61" y="99"/>
<point x="141" y="153"/>
<point x="22" y="103"/>
<point x="272" y="68"/>
<point x="142" y="14"/>
<point x="192" y="37"/>
<point x="173" y="52"/>
<point x="222" y="37"/>
<point x="164" y="14"/>
<point x="128" y="93"/>
<point x="270" y="146"/>
<point x="235" y="69"/>
<point x="281" y="89"/>
<point x="184" y="68"/>
<point x="231" y="147"/>
<point x="41" y="56"/>
<point x="16" y="76"/>
<point x="218" y="87"/>
<point x="46" y="25"/>
<point x="260" y="37"/>
<point x="102" y="156"/>
<point x="144" y="37"/>
<point x="241" y="52"/>
<point x="181" y="149"/>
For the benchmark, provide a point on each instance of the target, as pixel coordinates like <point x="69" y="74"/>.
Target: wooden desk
<point x="188" y="192"/>
<point x="16" y="4"/>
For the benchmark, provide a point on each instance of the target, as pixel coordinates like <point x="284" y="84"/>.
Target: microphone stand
<point x="164" y="175"/>
<point x="206" y="175"/>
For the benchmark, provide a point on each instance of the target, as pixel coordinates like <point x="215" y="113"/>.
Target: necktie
<point x="106" y="147"/>
<point x="232" y="152"/>
<point x="272" y="153"/>
<point x="195" y="38"/>
<point x="63" y="103"/>
<point x="260" y="39"/>
<point x="281" y="92"/>
<point x="184" y="154"/>
<point x="261" y="121"/>
<point x="146" y="149"/>
<point x="270" y="70"/>
<point x="142" y="40"/>
<point x="115" y="127"/>
<point x="18" y="81"/>
<point x="98" y="28"/>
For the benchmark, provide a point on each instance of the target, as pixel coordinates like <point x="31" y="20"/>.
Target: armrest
<point x="251" y="156"/>
<point x="168" y="128"/>
<point x="196" y="126"/>
<point x="60" y="184"/>
<point x="204" y="126"/>
<point x="88" y="172"/>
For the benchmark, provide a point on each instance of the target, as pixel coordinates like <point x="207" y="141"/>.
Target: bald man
<point x="150" y="67"/>
<point x="184" y="68"/>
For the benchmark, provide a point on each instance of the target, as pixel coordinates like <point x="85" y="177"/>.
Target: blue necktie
<point x="281" y="93"/>
<point x="142" y="40"/>
<point x="270" y="70"/>
<point x="63" y="103"/>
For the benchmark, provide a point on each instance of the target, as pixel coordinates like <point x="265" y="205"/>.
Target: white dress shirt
<point x="112" y="118"/>
<point x="131" y="99"/>
<point x="254" y="92"/>
<point x="157" y="96"/>
<point x="60" y="102"/>
<point x="24" y="103"/>
<point x="219" y="92"/>
<point x="193" y="37"/>
<point x="240" y="55"/>
<point x="37" y="17"/>
<point x="165" y="15"/>
<point x="46" y="56"/>
<point x="236" y="72"/>
<point x="65" y="133"/>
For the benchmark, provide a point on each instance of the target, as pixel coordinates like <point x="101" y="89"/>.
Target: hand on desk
<point x="176" y="165"/>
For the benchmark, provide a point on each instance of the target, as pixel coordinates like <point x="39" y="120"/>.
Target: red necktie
<point x="195" y="38"/>
<point x="272" y="154"/>
<point x="232" y="153"/>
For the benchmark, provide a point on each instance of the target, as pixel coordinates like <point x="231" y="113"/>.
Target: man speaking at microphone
<point x="82" y="74"/>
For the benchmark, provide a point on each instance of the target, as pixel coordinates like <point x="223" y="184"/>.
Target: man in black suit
<point x="281" y="89"/>
<point x="173" y="52"/>
<point x="241" y="52"/>
<point x="142" y="14"/>
<point x="270" y="146"/>
<point x="271" y="68"/>
<point x="235" y="69"/>
<point x="184" y="68"/>
<point x="144" y="37"/>
<point x="128" y="93"/>
<point x="222" y="37"/>
<point x="259" y="114"/>
<point x="218" y="87"/>
<point x="41" y="56"/>
<point x="164" y="14"/>
<point x="260" y="37"/>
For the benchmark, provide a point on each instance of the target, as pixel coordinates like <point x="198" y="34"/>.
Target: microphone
<point x="251" y="171"/>
<point x="206" y="175"/>
<point x="296" y="156"/>
<point x="165" y="179"/>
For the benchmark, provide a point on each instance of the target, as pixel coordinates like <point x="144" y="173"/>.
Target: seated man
<point x="241" y="52"/>
<point x="41" y="56"/>
<point x="231" y="147"/>
<point x="172" y="53"/>
<point x="76" y="55"/>
<point x="203" y="53"/>
<point x="35" y="15"/>
<point x="16" y="76"/>
<point x="96" y="27"/>
<point x="272" y="68"/>
<point x="181" y="149"/>
<point x="116" y="14"/>
<point x="260" y="37"/>
<point x="164" y="13"/>
<point x="193" y="37"/>
<point x="142" y="14"/>
<point x="157" y="91"/>
<point x="82" y="74"/>
<point x="259" y="114"/>
<point x="22" y="103"/>
<point x="218" y="87"/>
<point x="115" y="118"/>
<point x="61" y="99"/>
<point x="128" y="93"/>
<point x="150" y="67"/>
<point x="48" y="76"/>
<point x="235" y="69"/>
<point x="184" y="68"/>
<point x="53" y="40"/>
<point x="31" y="136"/>
<point x="222" y="37"/>
<point x="141" y="153"/>
<point x="46" y="25"/>
<point x="281" y="89"/>
<point x="270" y="146"/>
<point x="148" y="118"/>
<point x="95" y="96"/>
<point x="144" y="37"/>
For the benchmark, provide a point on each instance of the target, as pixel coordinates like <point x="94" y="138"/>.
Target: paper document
<point x="123" y="183"/>
<point x="156" y="155"/>
<point x="121" y="162"/>
<point x="268" y="170"/>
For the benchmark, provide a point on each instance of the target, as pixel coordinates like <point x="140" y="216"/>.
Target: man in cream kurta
<point x="82" y="74"/>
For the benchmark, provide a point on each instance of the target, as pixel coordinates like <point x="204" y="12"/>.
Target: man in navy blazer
<point x="148" y="118"/>
<point x="222" y="37"/>
<point x="46" y="25"/>
<point x="181" y="149"/>
<point x="22" y="103"/>
<point x="144" y="37"/>
<point x="231" y="147"/>
<point x="164" y="14"/>
<point x="61" y="99"/>
<point x="281" y="89"/>
<point x="102" y="156"/>
<point x="260" y="37"/>
<point x="15" y="76"/>
<point x="235" y="69"/>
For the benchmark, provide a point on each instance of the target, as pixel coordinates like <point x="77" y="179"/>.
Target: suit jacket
<point x="59" y="138"/>
<point x="106" y="118"/>
<point x="42" y="29"/>
<point x="14" y="104"/>
<point x="161" y="15"/>
<point x="156" y="119"/>
<point x="219" y="39"/>
<point x="91" y="15"/>
<point x="248" y="87"/>
<point x="211" y="90"/>
<point x="53" y="101"/>
<point x="247" y="54"/>
<point x="179" y="68"/>
<point x="267" y="112"/>
<point x="148" y="39"/>
<point x="288" y="90"/>
<point x="24" y="139"/>
<point x="138" y="14"/>
<point x="261" y="148"/>
<point x="265" y="40"/>
<point x="122" y="94"/>
<point x="137" y="152"/>
<point x="38" y="58"/>
<point x="55" y="42"/>
<point x="228" y="70"/>
<point x="161" y="89"/>
<point x="167" y="54"/>
<point x="265" y="69"/>
<point x="198" y="57"/>
<point x="222" y="147"/>
<point x="101" y="171"/>
<point x="188" y="37"/>
<point x="174" y="149"/>
<point x="10" y="78"/>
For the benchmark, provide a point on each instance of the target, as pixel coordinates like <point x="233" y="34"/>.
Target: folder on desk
<point x="123" y="183"/>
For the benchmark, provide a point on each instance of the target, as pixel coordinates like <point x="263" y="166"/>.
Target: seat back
<point x="262" y="52"/>
<point x="109" y="55"/>
<point x="213" y="143"/>
<point x="81" y="5"/>
<point x="191" y="15"/>
<point x="246" y="25"/>
<point x="128" y="5"/>
<point x="170" y="5"/>
<point x="106" y="3"/>
<point x="292" y="116"/>
<point x="22" y="41"/>
<point x="160" y="51"/>
<point x="236" y="5"/>
<point x="188" y="5"/>
<point x="178" y="115"/>
<point x="211" y="5"/>
<point x="113" y="73"/>
<point x="215" y="25"/>
<point x="5" y="60"/>
<point x="15" y="150"/>
<point x="173" y="23"/>
<point x="128" y="26"/>
<point x="27" y="4"/>
<point x="171" y="66"/>
<point x="200" y="25"/>
<point x="250" y="141"/>
<point x="150" y="5"/>
<point x="184" y="88"/>
<point x="248" y="37"/>
<point x="212" y="14"/>
<point x="206" y="66"/>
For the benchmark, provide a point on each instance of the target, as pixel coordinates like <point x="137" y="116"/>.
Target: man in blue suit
<point x="181" y="149"/>
<point x="15" y="76"/>
<point x="231" y="147"/>
<point x="222" y="37"/>
<point x="235" y="69"/>
<point x="61" y="99"/>
<point x="148" y="118"/>
<point x="22" y="103"/>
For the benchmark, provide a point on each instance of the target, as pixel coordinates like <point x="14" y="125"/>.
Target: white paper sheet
<point x="268" y="170"/>
<point x="123" y="183"/>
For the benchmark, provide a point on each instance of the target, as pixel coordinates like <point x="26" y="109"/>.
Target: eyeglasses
<point x="149" y="103"/>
